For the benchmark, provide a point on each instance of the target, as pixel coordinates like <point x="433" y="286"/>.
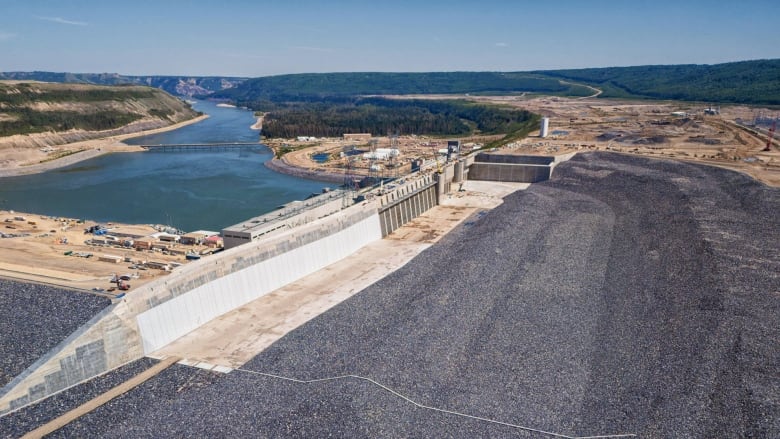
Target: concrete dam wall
<point x="273" y="267"/>
<point x="272" y="254"/>
<point x="407" y="203"/>
<point x="162" y="311"/>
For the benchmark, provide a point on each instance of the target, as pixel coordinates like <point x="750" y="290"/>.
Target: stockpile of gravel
<point x="35" y="318"/>
<point x="625" y="295"/>
<point x="18" y="423"/>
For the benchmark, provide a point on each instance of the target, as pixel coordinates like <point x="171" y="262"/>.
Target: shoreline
<point x="94" y="148"/>
<point x="259" y="124"/>
<point x="281" y="167"/>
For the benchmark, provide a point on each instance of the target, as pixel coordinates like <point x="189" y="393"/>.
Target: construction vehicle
<point x="771" y="136"/>
<point x="120" y="282"/>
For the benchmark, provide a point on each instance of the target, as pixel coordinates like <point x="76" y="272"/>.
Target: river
<point x="188" y="190"/>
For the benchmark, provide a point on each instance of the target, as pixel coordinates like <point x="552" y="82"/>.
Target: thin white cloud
<point x="243" y="55"/>
<point x="502" y="45"/>
<point x="312" y="49"/>
<point x="5" y="36"/>
<point x="61" y="20"/>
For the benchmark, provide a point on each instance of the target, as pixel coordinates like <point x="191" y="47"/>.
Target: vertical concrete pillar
<point x="458" y="177"/>
<point x="439" y="187"/>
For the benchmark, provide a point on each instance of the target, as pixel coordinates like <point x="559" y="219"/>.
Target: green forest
<point x="746" y="82"/>
<point x="381" y="116"/>
<point x="316" y="86"/>
<point x="27" y="121"/>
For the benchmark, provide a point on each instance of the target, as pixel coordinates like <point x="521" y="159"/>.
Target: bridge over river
<point x="200" y="146"/>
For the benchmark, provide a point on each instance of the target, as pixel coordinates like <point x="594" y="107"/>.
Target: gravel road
<point x="626" y="295"/>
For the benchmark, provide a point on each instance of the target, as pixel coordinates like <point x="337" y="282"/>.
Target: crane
<point x="771" y="135"/>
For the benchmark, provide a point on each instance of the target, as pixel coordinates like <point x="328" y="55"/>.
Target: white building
<point x="545" y="128"/>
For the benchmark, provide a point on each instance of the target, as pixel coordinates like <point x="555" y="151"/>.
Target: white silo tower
<point x="544" y="130"/>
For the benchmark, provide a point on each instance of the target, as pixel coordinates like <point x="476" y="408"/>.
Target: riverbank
<point x="259" y="124"/>
<point x="295" y="171"/>
<point x="20" y="163"/>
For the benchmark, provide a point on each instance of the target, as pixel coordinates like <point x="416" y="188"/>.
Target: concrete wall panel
<point x="184" y="313"/>
<point x="514" y="159"/>
<point x="509" y="172"/>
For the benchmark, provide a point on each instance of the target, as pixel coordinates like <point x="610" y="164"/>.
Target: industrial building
<point x="382" y="154"/>
<point x="290" y="215"/>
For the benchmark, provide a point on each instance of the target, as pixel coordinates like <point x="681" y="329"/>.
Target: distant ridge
<point x="745" y="82"/>
<point x="754" y="82"/>
<point x="175" y="85"/>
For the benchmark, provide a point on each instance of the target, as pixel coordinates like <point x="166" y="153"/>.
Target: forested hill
<point x="86" y="111"/>
<point x="749" y="82"/>
<point x="314" y="86"/>
<point x="175" y="85"/>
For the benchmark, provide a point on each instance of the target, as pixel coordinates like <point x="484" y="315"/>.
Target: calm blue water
<point x="188" y="190"/>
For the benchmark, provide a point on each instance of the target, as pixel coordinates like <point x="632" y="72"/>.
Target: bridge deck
<point x="203" y="146"/>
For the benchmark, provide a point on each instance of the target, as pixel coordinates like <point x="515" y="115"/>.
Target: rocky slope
<point x="175" y="85"/>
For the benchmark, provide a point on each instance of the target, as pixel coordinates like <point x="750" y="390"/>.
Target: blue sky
<point x="259" y="38"/>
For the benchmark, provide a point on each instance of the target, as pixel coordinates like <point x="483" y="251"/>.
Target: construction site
<point x="735" y="137"/>
<point x="623" y="297"/>
<point x="591" y="280"/>
<point x="88" y="256"/>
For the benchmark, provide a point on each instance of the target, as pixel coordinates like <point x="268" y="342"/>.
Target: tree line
<point x="26" y="121"/>
<point x="381" y="116"/>
<point x="744" y="82"/>
<point x="316" y="86"/>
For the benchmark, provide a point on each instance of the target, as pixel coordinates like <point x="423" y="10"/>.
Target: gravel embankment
<point x="18" y="423"/>
<point x="626" y="295"/>
<point x="35" y="318"/>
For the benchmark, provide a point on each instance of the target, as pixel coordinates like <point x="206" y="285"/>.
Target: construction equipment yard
<point x="59" y="251"/>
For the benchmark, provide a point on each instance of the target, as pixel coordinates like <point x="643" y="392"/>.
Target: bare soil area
<point x="339" y="157"/>
<point x="55" y="251"/>
<point x="675" y="130"/>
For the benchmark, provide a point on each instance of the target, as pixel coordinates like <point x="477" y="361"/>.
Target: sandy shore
<point x="89" y="149"/>
<point x="259" y="124"/>
<point x="297" y="171"/>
